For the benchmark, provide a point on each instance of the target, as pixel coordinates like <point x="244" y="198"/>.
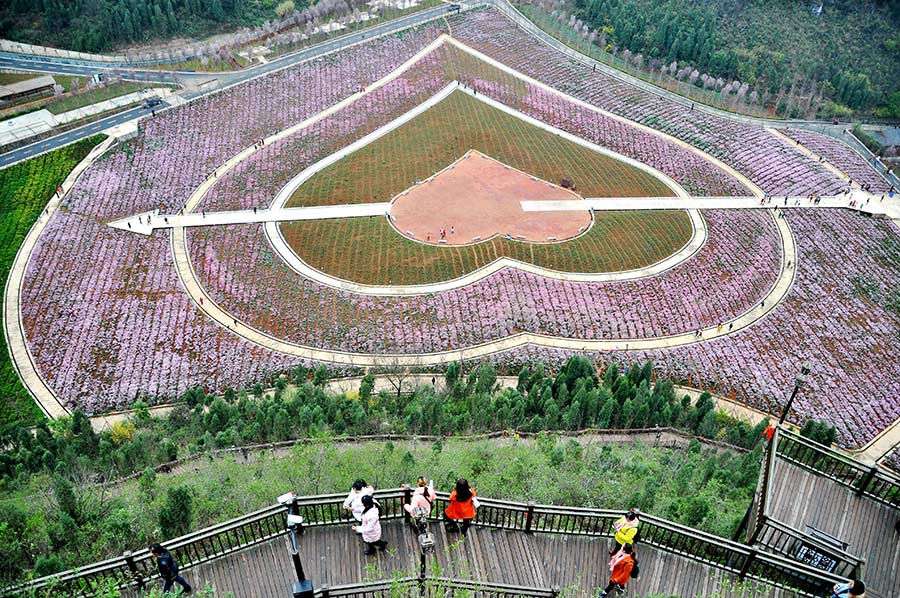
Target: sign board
<point x="815" y="557"/>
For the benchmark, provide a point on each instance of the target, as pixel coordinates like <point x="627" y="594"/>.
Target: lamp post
<point x="302" y="588"/>
<point x="799" y="382"/>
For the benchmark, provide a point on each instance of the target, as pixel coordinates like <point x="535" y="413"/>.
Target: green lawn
<point x="368" y="250"/>
<point x="7" y="78"/>
<point x="445" y="132"/>
<point x="24" y="191"/>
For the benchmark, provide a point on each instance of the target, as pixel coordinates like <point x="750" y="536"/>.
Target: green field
<point x="24" y="191"/>
<point x="448" y="130"/>
<point x="370" y="251"/>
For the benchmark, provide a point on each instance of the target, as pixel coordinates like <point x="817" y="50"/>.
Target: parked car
<point x="152" y="102"/>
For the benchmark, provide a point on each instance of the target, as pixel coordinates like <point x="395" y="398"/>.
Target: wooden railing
<point x="327" y="510"/>
<point x="135" y="570"/>
<point x="433" y="587"/>
<point x="870" y="481"/>
<point x="765" y="529"/>
<point x="744" y="561"/>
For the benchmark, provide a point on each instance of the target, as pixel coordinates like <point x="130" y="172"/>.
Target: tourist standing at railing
<point x="626" y="529"/>
<point x="168" y="569"/>
<point x="852" y="589"/>
<point x="620" y="568"/>
<point x="353" y="502"/>
<point x="423" y="496"/>
<point x="370" y="528"/>
<point x="462" y="507"/>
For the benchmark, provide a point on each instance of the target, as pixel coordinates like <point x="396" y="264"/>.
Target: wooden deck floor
<point x="800" y="498"/>
<point x="333" y="555"/>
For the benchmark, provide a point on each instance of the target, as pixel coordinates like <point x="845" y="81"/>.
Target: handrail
<point x="433" y="586"/>
<point x="190" y="549"/>
<point x="786" y="539"/>
<point x="325" y="510"/>
<point x="871" y="481"/>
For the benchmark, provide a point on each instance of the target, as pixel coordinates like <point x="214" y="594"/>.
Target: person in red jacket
<point x="620" y="570"/>
<point x="462" y="506"/>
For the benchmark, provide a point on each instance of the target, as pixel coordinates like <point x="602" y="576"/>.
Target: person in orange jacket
<point x="620" y="567"/>
<point x="462" y="507"/>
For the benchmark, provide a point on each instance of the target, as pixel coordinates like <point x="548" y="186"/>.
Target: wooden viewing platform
<point x="333" y="555"/>
<point x="538" y="549"/>
<point x="816" y="500"/>
<point x="801" y="498"/>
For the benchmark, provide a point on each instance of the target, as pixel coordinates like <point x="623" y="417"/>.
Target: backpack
<point x="635" y="571"/>
<point x="637" y="537"/>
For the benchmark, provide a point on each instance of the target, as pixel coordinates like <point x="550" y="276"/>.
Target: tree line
<point x="834" y="56"/>
<point x="98" y="25"/>
<point x="573" y="398"/>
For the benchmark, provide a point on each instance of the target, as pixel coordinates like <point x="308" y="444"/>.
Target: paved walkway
<point x="148" y="222"/>
<point x="861" y="201"/>
<point x="12" y="316"/>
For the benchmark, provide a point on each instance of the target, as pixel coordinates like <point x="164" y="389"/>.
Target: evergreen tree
<point x="177" y="512"/>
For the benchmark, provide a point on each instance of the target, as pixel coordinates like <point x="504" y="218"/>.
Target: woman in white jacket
<point x="353" y="502"/>
<point x="370" y="528"/>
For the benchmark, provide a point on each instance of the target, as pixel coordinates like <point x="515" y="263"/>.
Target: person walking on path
<point x="168" y="569"/>
<point x="853" y="589"/>
<point x="423" y="496"/>
<point x="462" y="507"/>
<point x="353" y="502"/>
<point x="626" y="529"/>
<point x="370" y="528"/>
<point x="620" y="567"/>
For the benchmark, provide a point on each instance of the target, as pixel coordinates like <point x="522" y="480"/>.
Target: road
<point x="51" y="143"/>
<point x="215" y="80"/>
<point x="198" y="84"/>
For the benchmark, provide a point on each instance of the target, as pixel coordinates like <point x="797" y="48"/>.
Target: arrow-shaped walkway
<point x="859" y="200"/>
<point x="147" y="222"/>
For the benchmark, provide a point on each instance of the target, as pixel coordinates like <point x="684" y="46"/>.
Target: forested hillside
<point x="837" y="55"/>
<point x="100" y="25"/>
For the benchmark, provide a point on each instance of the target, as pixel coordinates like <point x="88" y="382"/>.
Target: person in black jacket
<point x="168" y="569"/>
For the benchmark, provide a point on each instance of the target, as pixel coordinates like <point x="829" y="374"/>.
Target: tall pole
<point x="798" y="383"/>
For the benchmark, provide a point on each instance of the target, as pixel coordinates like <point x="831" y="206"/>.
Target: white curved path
<point x="217" y="313"/>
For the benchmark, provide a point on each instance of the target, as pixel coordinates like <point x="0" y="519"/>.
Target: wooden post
<point x="294" y="509"/>
<point x="745" y="568"/>
<point x="407" y="499"/>
<point x="857" y="570"/>
<point x="761" y="522"/>
<point x="529" y="516"/>
<point x="132" y="567"/>
<point x="867" y="479"/>
<point x="744" y="522"/>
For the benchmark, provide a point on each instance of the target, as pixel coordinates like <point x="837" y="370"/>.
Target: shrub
<point x="819" y="431"/>
<point x="48" y="565"/>
<point x="177" y="514"/>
